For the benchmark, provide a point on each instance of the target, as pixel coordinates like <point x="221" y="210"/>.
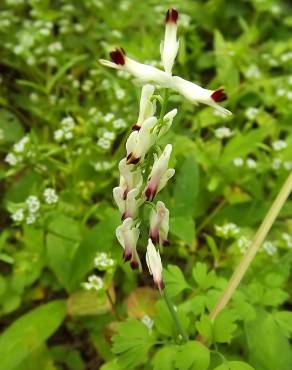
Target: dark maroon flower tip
<point x="154" y="238"/>
<point x="134" y="265"/>
<point x="160" y="285"/>
<point x="148" y="194"/>
<point x="136" y="127"/>
<point x="166" y="243"/>
<point x="219" y="95"/>
<point x="171" y="16"/>
<point x="123" y="216"/>
<point x="132" y="160"/>
<point x="118" y="56"/>
<point x="127" y="256"/>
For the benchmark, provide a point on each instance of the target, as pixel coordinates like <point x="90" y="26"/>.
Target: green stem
<point x="253" y="249"/>
<point x="176" y="320"/>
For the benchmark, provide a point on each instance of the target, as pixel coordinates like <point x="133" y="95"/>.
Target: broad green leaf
<point x="39" y="359"/>
<point x="112" y="365"/>
<point x="267" y="346"/>
<point x="29" y="332"/>
<point x="175" y="280"/>
<point x="224" y="326"/>
<point x="204" y="327"/>
<point x="132" y="343"/>
<point x="183" y="227"/>
<point x="11" y="127"/>
<point x="284" y="320"/>
<point x="164" y="358"/>
<point x="239" y="365"/>
<point x="187" y="188"/>
<point x="192" y="356"/>
<point x="204" y="279"/>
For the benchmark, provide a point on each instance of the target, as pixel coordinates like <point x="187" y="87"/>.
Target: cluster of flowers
<point x="138" y="185"/>
<point x="30" y="210"/>
<point x="65" y="133"/>
<point x="20" y="150"/>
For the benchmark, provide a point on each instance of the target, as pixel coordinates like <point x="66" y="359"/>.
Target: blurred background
<point x="64" y="120"/>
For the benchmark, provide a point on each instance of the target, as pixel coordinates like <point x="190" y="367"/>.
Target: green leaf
<point x="267" y="346"/>
<point x="39" y="359"/>
<point x="183" y="227"/>
<point x="187" y="188"/>
<point x="204" y="327"/>
<point x="203" y="279"/>
<point x="284" y="320"/>
<point x="192" y="356"/>
<point x="239" y="365"/>
<point x="132" y="343"/>
<point x="174" y="280"/>
<point x="30" y="331"/>
<point x="11" y="127"/>
<point x="224" y="326"/>
<point x="164" y="358"/>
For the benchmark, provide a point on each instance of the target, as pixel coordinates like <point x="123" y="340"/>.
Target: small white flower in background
<point x="159" y="224"/>
<point x="66" y="131"/>
<point x="128" y="235"/>
<point x="94" y="283"/>
<point x="104" y="143"/>
<point x="287" y="165"/>
<point x="120" y="94"/>
<point x="109" y="135"/>
<point x="251" y="163"/>
<point x="20" y="146"/>
<point x="18" y="215"/>
<point x="229" y="230"/>
<point x="119" y="123"/>
<point x="169" y="47"/>
<point x="92" y="111"/>
<point x="223" y="132"/>
<point x="276" y="163"/>
<point x="87" y="85"/>
<point x="269" y="247"/>
<point x="288" y="239"/>
<point x="289" y="95"/>
<point x="290" y="80"/>
<point x="251" y="113"/>
<point x="243" y="244"/>
<point x="103" y="166"/>
<point x="238" y="162"/>
<point x="154" y="264"/>
<point x="31" y="218"/>
<point x="253" y="71"/>
<point x="160" y="174"/>
<point x="108" y="117"/>
<point x="33" y="203"/>
<point x="55" y="47"/>
<point x="12" y="159"/>
<point x="281" y="92"/>
<point x="286" y="56"/>
<point x="279" y="145"/>
<point x="50" y="196"/>
<point x="103" y="261"/>
<point x="147" y="321"/>
<point x="68" y="124"/>
<point x="58" y="135"/>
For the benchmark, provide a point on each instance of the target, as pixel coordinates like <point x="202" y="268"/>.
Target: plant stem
<point x="176" y="320"/>
<point x="113" y="306"/>
<point x="253" y="249"/>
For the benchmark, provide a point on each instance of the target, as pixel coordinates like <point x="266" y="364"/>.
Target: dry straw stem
<point x="253" y="249"/>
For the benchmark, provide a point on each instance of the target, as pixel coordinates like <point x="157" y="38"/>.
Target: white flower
<point x="20" y="146"/>
<point x="104" y="143"/>
<point x="160" y="174"/>
<point x="281" y="92"/>
<point x="253" y="72"/>
<point x="276" y="163"/>
<point x="166" y="122"/>
<point x="154" y="264"/>
<point x="270" y="248"/>
<point x="196" y="94"/>
<point x="251" y="113"/>
<point x="288" y="165"/>
<point x="238" y="162"/>
<point x="251" y="163"/>
<point x="130" y="178"/>
<point x="279" y="145"/>
<point x="229" y="230"/>
<point x="109" y="135"/>
<point x="288" y="239"/>
<point x="139" y="142"/>
<point x="223" y="132"/>
<point x="147" y="321"/>
<point x="31" y="218"/>
<point x="94" y="283"/>
<point x="120" y="94"/>
<point x="159" y="224"/>
<point x="147" y="107"/>
<point x="50" y="196"/>
<point x="243" y="244"/>
<point x="12" y="159"/>
<point x="108" y="117"/>
<point x="67" y="124"/>
<point x="58" y="135"/>
<point x="18" y="215"/>
<point x="128" y="205"/>
<point x="169" y="47"/>
<point x="102" y="261"/>
<point x="119" y="123"/>
<point x="55" y="47"/>
<point x="128" y="235"/>
<point x="142" y="72"/>
<point x="32" y="203"/>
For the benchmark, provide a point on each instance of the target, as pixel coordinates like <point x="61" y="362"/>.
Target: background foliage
<point x="75" y="116"/>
